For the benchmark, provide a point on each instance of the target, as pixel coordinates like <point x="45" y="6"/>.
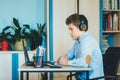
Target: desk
<point x="28" y="69"/>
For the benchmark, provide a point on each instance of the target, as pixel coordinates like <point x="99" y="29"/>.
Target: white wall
<point x="61" y="38"/>
<point x="62" y="41"/>
<point x="90" y="8"/>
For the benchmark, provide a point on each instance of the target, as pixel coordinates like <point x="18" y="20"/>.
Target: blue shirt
<point x="86" y="45"/>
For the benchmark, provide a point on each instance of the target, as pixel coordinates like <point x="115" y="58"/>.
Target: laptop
<point x="27" y="60"/>
<point x="51" y="64"/>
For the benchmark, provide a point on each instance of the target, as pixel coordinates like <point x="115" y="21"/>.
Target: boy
<point x="85" y="51"/>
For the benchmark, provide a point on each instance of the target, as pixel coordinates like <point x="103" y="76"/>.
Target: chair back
<point x="111" y="60"/>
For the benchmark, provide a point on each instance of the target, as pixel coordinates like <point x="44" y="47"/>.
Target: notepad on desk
<point x="52" y="64"/>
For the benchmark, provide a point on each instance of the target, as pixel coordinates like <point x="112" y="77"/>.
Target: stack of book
<point x="111" y="21"/>
<point x="111" y="4"/>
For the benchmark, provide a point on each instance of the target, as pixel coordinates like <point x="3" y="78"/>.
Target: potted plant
<point x="36" y="36"/>
<point x="19" y="34"/>
<point x="5" y="38"/>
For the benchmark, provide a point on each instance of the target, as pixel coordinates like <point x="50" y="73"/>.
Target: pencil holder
<point x="38" y="61"/>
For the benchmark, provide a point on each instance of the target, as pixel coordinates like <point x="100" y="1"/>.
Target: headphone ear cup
<point x="83" y="27"/>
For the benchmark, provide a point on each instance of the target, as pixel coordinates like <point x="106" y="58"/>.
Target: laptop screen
<point x="27" y="60"/>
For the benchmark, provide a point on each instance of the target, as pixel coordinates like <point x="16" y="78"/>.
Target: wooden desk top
<point x="48" y="69"/>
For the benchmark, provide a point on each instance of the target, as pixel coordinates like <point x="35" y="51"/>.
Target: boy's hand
<point x="59" y="59"/>
<point x="63" y="60"/>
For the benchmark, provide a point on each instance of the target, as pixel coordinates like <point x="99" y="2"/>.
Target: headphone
<point x="83" y="24"/>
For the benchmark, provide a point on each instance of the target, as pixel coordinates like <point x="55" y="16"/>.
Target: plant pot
<point x="4" y="45"/>
<point x="0" y="46"/>
<point x="18" y="46"/>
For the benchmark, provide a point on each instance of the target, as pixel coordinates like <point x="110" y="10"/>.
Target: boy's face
<point x="74" y="31"/>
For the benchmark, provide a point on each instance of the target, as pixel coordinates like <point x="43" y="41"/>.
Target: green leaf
<point x="16" y="22"/>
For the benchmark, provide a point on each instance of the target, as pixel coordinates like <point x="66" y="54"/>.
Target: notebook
<point x="52" y="64"/>
<point x="27" y="60"/>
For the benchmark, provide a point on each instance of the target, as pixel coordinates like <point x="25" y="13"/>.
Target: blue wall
<point x="27" y="11"/>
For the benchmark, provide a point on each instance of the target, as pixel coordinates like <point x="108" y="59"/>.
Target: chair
<point x="111" y="61"/>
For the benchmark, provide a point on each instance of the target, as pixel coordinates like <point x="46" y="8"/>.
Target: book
<point x="119" y="23"/>
<point x="116" y="4"/>
<point x="104" y="5"/>
<point x="119" y="4"/>
<point x="109" y="27"/>
<point x="115" y="22"/>
<point x="113" y="4"/>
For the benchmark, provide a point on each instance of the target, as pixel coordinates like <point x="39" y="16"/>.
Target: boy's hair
<point x="76" y="20"/>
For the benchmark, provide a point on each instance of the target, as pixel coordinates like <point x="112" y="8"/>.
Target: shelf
<point x="107" y="32"/>
<point x="109" y="20"/>
<point x="110" y="10"/>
